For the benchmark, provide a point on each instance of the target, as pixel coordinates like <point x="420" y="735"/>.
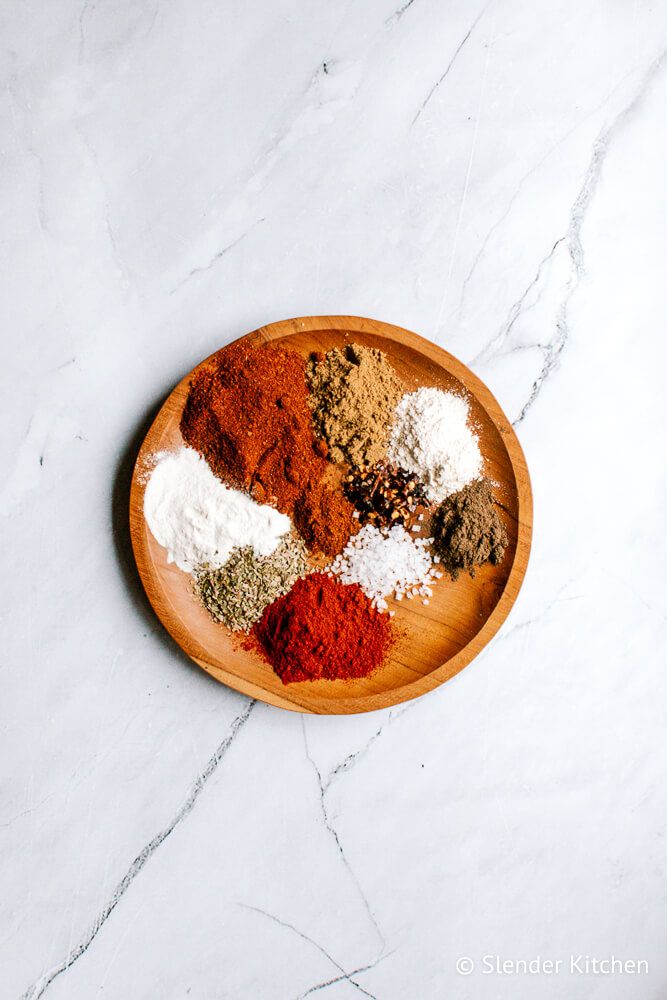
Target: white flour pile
<point x="387" y="562"/>
<point x="431" y="437"/>
<point x="199" y="520"/>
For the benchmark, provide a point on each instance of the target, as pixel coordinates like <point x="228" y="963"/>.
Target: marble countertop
<point x="492" y="176"/>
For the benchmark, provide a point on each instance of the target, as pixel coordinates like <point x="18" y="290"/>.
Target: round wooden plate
<point x="436" y="640"/>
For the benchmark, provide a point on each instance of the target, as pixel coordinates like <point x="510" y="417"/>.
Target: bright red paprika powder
<point x="323" y="629"/>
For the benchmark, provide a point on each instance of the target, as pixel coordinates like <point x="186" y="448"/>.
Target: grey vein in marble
<point x="572" y="239"/>
<point x="398" y="14"/>
<point x="555" y="347"/>
<point x="348" y="763"/>
<point x="518" y="309"/>
<point x="345" y="976"/>
<point x="108" y="224"/>
<point x="38" y="988"/>
<point x="334" y="833"/>
<point x="216" y="257"/>
<point x="481" y="252"/>
<point x="450" y="64"/>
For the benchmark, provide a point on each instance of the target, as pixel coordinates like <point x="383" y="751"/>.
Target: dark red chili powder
<point x="247" y="413"/>
<point x="323" y="629"/>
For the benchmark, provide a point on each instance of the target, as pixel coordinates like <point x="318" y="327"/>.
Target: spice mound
<point x="323" y="629"/>
<point x="431" y="437"/>
<point x="247" y="413"/>
<point x="238" y="593"/>
<point x="354" y="393"/>
<point x="387" y="562"/>
<point x="468" y="531"/>
<point x="384" y="494"/>
<point x="199" y="520"/>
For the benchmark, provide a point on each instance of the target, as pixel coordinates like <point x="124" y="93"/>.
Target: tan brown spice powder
<point x="353" y="395"/>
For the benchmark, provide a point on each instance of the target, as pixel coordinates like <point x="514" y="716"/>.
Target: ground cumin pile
<point x="247" y="413"/>
<point x="467" y="529"/>
<point x="354" y="393"/>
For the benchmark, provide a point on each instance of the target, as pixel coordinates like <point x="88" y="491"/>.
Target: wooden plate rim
<point x="424" y="683"/>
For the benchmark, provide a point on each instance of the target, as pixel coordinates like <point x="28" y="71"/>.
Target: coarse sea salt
<point x="386" y="562"/>
<point x="431" y="437"/>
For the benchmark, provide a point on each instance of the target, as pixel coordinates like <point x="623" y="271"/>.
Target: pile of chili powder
<point x="248" y="414"/>
<point x="323" y="629"/>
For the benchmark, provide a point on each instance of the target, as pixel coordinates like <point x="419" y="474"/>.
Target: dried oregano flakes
<point x="237" y="593"/>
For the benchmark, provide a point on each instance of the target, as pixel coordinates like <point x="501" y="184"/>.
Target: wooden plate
<point x="437" y="640"/>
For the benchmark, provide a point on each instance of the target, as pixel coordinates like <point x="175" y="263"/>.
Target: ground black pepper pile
<point x="467" y="529"/>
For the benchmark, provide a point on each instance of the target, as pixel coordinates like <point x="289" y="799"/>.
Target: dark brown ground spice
<point x="467" y="529"/>
<point x="247" y="413"/>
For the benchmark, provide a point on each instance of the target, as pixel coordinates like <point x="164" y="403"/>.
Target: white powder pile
<point x="199" y="520"/>
<point x="431" y="437"/>
<point x="387" y="562"/>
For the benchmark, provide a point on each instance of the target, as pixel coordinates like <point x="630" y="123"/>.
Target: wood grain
<point x="437" y="640"/>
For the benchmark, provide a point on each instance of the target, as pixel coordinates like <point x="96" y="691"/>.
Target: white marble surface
<point x="491" y="175"/>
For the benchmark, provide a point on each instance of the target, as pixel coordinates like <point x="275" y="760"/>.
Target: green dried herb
<point x="238" y="592"/>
